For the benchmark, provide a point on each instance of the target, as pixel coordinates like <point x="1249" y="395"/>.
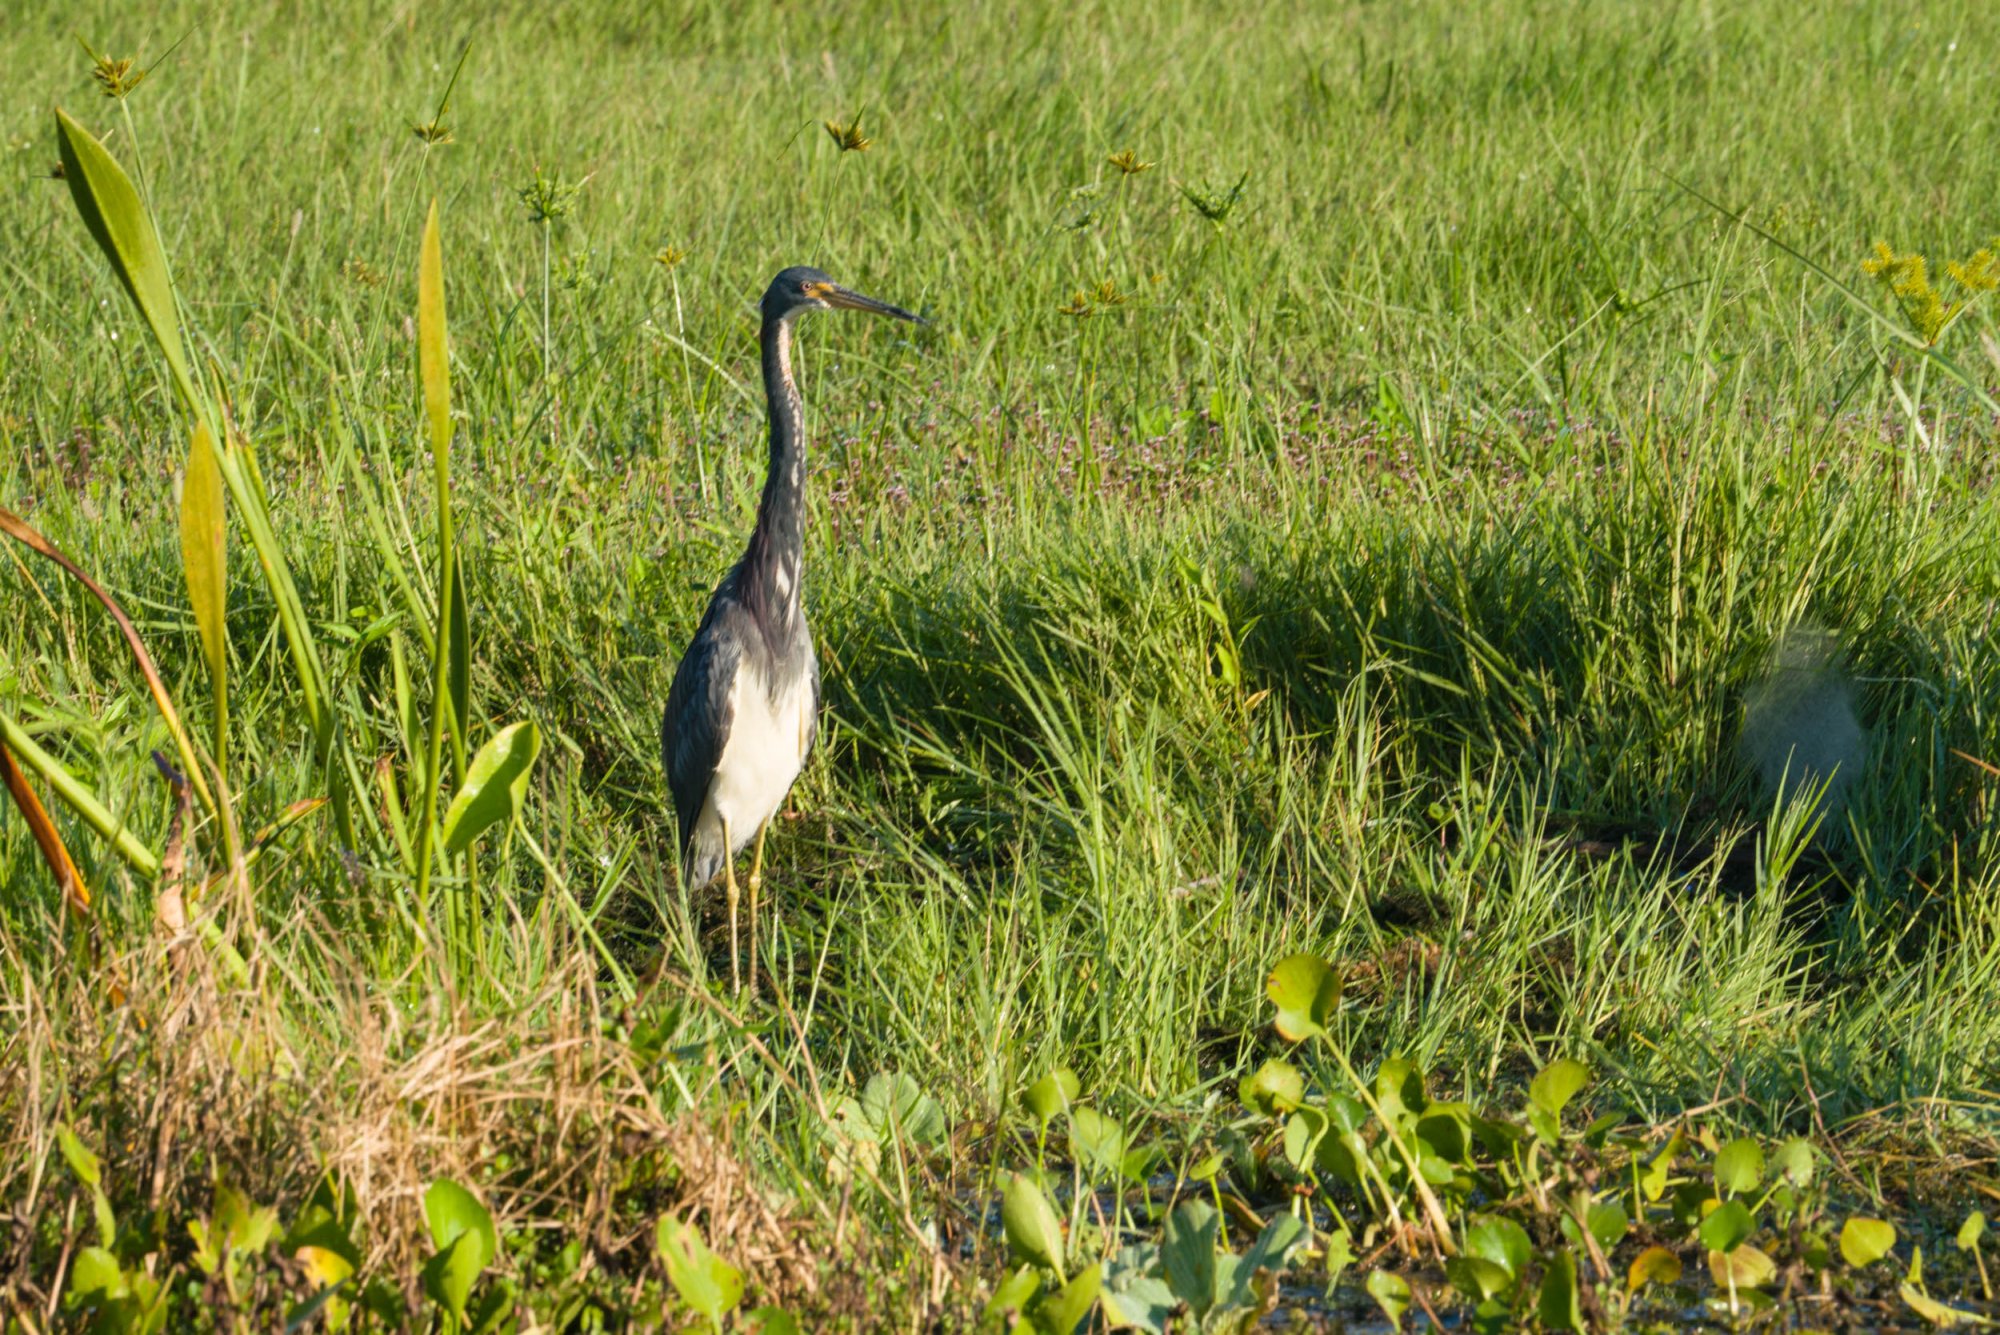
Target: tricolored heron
<point x="744" y="707"/>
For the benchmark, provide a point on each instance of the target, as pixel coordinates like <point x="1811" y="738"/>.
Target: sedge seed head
<point x="1127" y="162"/>
<point x="848" y="136"/>
<point x="115" y="78"/>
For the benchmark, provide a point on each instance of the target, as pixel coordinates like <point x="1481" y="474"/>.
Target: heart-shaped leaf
<point x="894" y="1104"/>
<point x="1727" y="1226"/>
<point x="1272" y="1088"/>
<point x="1607" y="1222"/>
<point x="1391" y="1293"/>
<point x="1305" y="989"/>
<point x="705" y="1282"/>
<point x="1971" y="1231"/>
<point x="1655" y="1265"/>
<point x="1794" y="1161"/>
<point x="1739" y="1167"/>
<point x="1477" y="1278"/>
<point x="1501" y="1241"/>
<point x="1556" y="1084"/>
<point x="1052" y="1094"/>
<point x="1100" y="1142"/>
<point x="1745" y="1267"/>
<point x="1864" y="1241"/>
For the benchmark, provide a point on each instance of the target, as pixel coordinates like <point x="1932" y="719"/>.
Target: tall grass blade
<point x="124" y="231"/>
<point x="204" y="559"/>
<point x="47" y="838"/>
<point x="434" y="371"/>
<point x="458" y="674"/>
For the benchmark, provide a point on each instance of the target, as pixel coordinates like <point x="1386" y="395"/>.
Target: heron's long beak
<point x="840" y="298"/>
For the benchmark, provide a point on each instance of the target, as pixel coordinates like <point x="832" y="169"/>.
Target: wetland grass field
<point x="1411" y="717"/>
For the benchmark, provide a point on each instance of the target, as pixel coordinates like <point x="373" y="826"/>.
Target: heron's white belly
<point x="765" y="750"/>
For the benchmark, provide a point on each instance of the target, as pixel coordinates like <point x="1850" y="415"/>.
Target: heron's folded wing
<point x="696" y="727"/>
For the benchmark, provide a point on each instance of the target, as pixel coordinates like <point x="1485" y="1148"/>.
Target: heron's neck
<point x="771" y="565"/>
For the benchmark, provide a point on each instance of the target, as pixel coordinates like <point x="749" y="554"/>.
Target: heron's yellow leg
<point x="729" y="875"/>
<point x="756" y="884"/>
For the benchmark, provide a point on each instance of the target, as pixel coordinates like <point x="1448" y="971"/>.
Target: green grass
<point x="1383" y="576"/>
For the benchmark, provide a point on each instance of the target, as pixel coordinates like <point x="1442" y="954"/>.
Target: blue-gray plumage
<point x="744" y="707"/>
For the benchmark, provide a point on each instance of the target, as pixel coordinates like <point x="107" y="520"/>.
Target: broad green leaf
<point x="1654" y="1179"/>
<point x="772" y="1321"/>
<point x="1391" y="1294"/>
<point x="1727" y="1226"/>
<point x="1937" y="1313"/>
<point x="1795" y="1161"/>
<point x="1560" y="1304"/>
<point x="1501" y="1241"/>
<point x="894" y="1104"/>
<point x="1399" y="1090"/>
<point x="245" y="1228"/>
<point x="1013" y="1295"/>
<point x="79" y="1157"/>
<point x="1477" y="1278"/>
<point x="1739" y="1167"/>
<point x="449" y="1276"/>
<point x="1142" y="1302"/>
<point x="1274" y="1087"/>
<point x="124" y="231"/>
<point x="705" y="1282"/>
<point x="1655" y="1265"/>
<point x="1556" y="1084"/>
<point x="1864" y="1241"/>
<point x="1100" y="1142"/>
<point x="95" y="1271"/>
<point x="1303" y="1132"/>
<point x="1607" y="1222"/>
<point x="1274" y="1245"/>
<point x="205" y="560"/>
<point x="432" y="365"/>
<point x="1060" y="1313"/>
<point x="1030" y="1223"/>
<point x="494" y="785"/>
<point x="451" y="1212"/>
<point x="1188" y="1255"/>
<point x="1052" y="1094"/>
<point x="1743" y="1267"/>
<point x="323" y="1266"/>
<point x="1971" y="1231"/>
<point x="1305" y="989"/>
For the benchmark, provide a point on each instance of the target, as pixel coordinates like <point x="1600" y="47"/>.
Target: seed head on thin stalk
<point x="848" y="136"/>
<point x="115" y="78"/>
<point x="1128" y="164"/>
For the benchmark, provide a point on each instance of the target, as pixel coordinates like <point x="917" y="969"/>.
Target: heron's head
<point x="804" y="288"/>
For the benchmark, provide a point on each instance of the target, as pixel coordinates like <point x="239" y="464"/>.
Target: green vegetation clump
<point x="1411" y="709"/>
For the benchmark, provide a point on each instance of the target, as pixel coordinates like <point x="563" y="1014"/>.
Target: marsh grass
<point x="1382" y="569"/>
